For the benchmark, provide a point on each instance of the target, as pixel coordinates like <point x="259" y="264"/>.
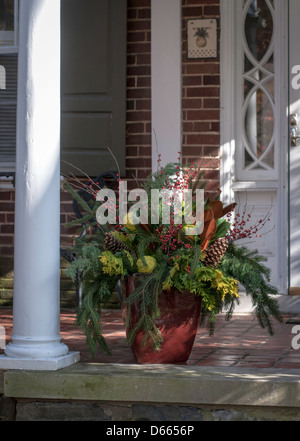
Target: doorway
<point x="255" y="125"/>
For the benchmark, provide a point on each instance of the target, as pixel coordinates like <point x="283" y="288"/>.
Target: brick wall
<point x="201" y="98"/>
<point x="200" y="95"/>
<point x="6" y="222"/>
<point x="6" y="245"/>
<point x="138" y="162"/>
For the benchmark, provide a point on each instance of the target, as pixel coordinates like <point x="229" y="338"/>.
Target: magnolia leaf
<point x="229" y="208"/>
<point x="217" y="208"/>
<point x="222" y="228"/>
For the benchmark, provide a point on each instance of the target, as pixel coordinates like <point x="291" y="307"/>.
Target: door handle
<point x="294" y="131"/>
<point x="294" y="137"/>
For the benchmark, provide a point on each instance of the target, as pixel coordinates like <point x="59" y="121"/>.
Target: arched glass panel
<point x="258" y="107"/>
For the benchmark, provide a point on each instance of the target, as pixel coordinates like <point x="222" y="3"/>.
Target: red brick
<point x="7" y="206"/>
<point x="143" y="105"/>
<point x="135" y="127"/>
<point x="203" y="68"/>
<point x="188" y="127"/>
<point x="66" y="208"/>
<point x="211" y="151"/>
<point x="6" y="251"/>
<point x="5" y="196"/>
<point x="138" y="116"/>
<point x="131" y="14"/>
<point x="135" y="71"/>
<point x="139" y="139"/>
<point x="212" y="11"/>
<point x="7" y="229"/>
<point x="139" y="48"/>
<point x="192" y="11"/>
<point x="10" y="218"/>
<point x="145" y="151"/>
<point x="138" y="25"/>
<point x="203" y="115"/>
<point x="143" y="174"/>
<point x="209" y="80"/>
<point x="192" y="103"/>
<point x="202" y="126"/>
<point x="131" y="82"/>
<point x="139" y="3"/>
<point x="144" y="59"/>
<point x="189" y="151"/>
<point x="136" y="36"/>
<point x="139" y="93"/>
<point x="211" y="103"/>
<point x="144" y="81"/>
<point x="7" y="240"/>
<point x="138" y="162"/>
<point x="144" y="13"/>
<point x="193" y="80"/>
<point x="132" y="151"/>
<point x="203" y="92"/>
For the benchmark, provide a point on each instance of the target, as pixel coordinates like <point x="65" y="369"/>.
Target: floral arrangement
<point x="208" y="264"/>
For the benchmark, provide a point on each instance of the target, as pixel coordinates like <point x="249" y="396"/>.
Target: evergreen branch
<point x="78" y="198"/>
<point x="247" y="267"/>
<point x="196" y="258"/>
<point x="143" y="294"/>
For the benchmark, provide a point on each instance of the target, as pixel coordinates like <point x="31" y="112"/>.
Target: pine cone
<point x="215" y="252"/>
<point x="115" y="245"/>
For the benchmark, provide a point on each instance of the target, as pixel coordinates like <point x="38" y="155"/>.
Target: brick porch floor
<point x="240" y="342"/>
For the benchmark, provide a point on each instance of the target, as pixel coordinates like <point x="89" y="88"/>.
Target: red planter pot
<point x="178" y="323"/>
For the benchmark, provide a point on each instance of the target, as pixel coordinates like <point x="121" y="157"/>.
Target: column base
<point x="50" y="364"/>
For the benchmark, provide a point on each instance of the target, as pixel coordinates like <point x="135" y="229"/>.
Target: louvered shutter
<point x="8" y="108"/>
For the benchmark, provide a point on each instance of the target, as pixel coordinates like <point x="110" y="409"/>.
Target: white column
<point x="166" y="77"/>
<point x="36" y="341"/>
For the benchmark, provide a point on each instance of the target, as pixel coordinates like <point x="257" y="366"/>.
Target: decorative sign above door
<point x="202" y="38"/>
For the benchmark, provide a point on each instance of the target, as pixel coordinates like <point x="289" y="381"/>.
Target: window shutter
<point x="93" y="85"/>
<point x="8" y="109"/>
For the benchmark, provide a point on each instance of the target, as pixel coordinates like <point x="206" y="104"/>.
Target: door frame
<point x="228" y="114"/>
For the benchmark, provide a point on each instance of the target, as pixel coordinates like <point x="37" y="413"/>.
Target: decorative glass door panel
<point x="294" y="148"/>
<point x="256" y="134"/>
<point x="257" y="149"/>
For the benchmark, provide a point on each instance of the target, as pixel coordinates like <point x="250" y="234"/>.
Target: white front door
<point x="255" y="124"/>
<point x="294" y="145"/>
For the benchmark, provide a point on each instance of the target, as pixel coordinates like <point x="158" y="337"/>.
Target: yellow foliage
<point x="112" y="265"/>
<point x="148" y="267"/>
